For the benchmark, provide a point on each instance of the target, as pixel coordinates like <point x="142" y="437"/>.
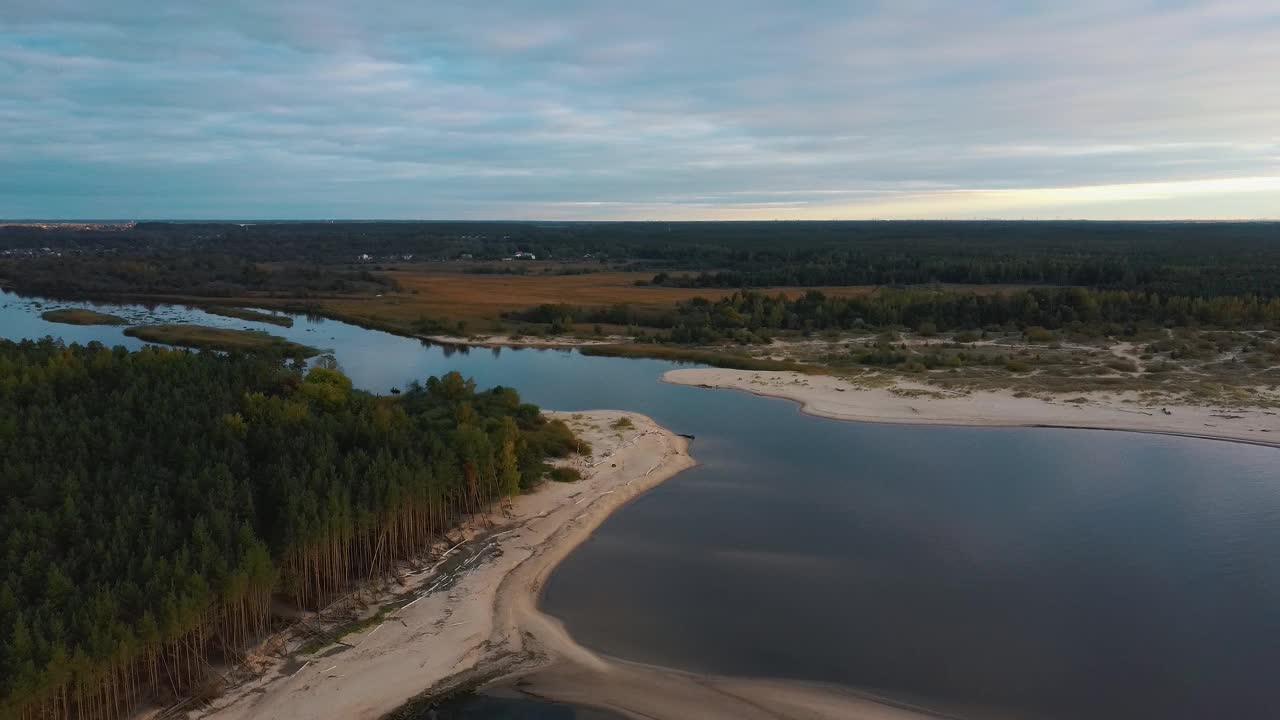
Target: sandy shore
<point x="919" y="403"/>
<point x="649" y="693"/>
<point x="478" y="623"/>
<point x="485" y="626"/>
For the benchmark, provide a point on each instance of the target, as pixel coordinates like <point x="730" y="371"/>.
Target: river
<point x="979" y="572"/>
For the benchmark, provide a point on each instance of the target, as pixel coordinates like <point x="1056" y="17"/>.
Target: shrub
<point x="564" y="474"/>
<point x="1036" y="333"/>
<point x="555" y="439"/>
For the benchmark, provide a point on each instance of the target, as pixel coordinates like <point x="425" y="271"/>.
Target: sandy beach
<point x="919" y="403"/>
<point x="484" y="626"/>
<point x="479" y="623"/>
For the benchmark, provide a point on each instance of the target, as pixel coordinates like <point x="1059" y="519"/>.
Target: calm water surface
<point x="988" y="573"/>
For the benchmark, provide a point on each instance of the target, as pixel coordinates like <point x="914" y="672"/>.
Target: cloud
<point x="911" y="108"/>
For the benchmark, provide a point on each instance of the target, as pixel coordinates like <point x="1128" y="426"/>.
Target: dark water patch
<point x="487" y="707"/>
<point x="1032" y="573"/>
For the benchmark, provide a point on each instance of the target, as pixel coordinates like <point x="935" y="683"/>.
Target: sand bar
<point x="919" y="403"/>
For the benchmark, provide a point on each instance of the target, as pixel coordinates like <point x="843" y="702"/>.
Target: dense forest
<point x="1166" y="257"/>
<point x="199" y="274"/>
<point x="754" y="316"/>
<point x="158" y="501"/>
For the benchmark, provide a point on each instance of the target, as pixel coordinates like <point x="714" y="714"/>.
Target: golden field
<point x="448" y="296"/>
<point x="480" y="300"/>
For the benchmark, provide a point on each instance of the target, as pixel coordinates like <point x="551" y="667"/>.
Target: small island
<point x="210" y="338"/>
<point x="82" y="316"/>
<point x="249" y="314"/>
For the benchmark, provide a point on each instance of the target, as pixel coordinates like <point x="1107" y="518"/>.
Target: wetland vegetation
<point x="82" y="316"/>
<point x="250" y="314"/>
<point x="211" y="338"/>
<point x="1036" y="306"/>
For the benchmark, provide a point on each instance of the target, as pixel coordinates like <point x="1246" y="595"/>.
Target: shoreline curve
<point x="470" y="616"/>
<point x="484" y="627"/>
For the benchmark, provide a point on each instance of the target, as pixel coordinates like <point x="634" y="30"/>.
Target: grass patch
<point x="207" y="338"/>
<point x="690" y="355"/>
<point x="250" y="314"/>
<point x="82" y="316"/>
<point x="622" y="423"/>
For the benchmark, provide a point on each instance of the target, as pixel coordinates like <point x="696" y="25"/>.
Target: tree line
<point x="755" y="316"/>
<point x="201" y="274"/>
<point x="1171" y="258"/>
<point x="157" y="501"/>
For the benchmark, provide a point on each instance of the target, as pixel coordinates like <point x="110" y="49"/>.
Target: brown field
<point x="488" y="296"/>
<point x="479" y="300"/>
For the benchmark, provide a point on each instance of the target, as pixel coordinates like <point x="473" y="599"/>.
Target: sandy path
<point x="918" y="403"/>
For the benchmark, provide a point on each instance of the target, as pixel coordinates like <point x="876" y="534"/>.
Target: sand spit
<point x="918" y="403"/>
<point x="485" y="625"/>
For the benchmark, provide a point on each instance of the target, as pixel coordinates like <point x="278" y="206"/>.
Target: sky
<point x="706" y="110"/>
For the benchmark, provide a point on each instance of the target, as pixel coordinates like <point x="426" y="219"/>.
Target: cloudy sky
<point x="640" y="110"/>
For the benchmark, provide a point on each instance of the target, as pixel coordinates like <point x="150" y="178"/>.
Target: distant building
<point x="522" y="255"/>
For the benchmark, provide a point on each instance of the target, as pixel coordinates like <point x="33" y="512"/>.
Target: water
<point x="1030" y="573"/>
<point x="485" y="707"/>
<point x="989" y="573"/>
